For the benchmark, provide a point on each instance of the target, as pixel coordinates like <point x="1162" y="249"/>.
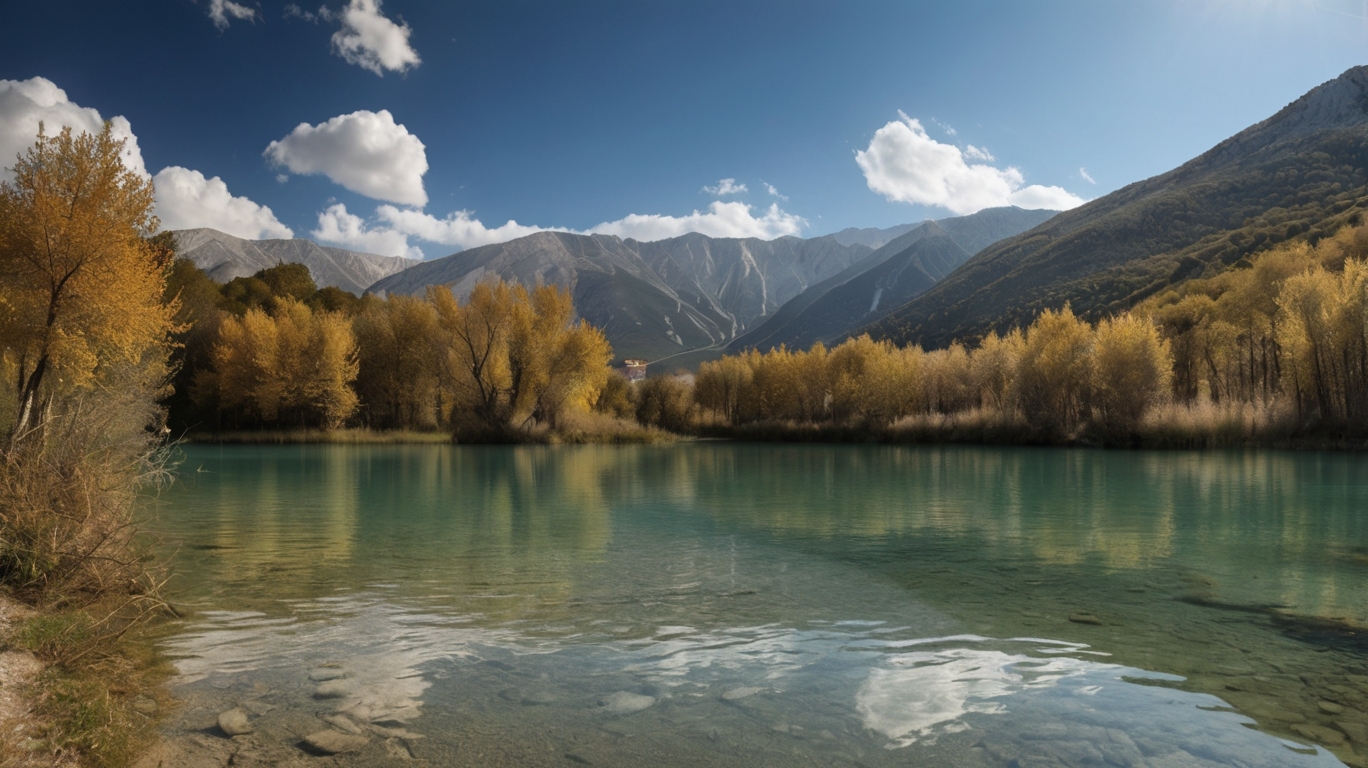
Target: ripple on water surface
<point x="709" y="606"/>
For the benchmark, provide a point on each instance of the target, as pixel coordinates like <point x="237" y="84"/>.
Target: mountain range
<point x="887" y="278"/>
<point x="224" y="257"/>
<point x="1299" y="174"/>
<point x="653" y="300"/>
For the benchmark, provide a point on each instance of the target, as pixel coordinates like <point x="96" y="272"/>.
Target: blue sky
<point x="615" y="116"/>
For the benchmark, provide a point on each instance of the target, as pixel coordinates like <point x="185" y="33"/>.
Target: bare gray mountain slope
<point x="652" y="300"/>
<point x="224" y="257"/>
<point x="872" y="236"/>
<point x="886" y="279"/>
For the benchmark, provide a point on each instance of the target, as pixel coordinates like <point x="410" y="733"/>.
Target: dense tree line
<point x="273" y="350"/>
<point x="1285" y="329"/>
<point x="1057" y="374"/>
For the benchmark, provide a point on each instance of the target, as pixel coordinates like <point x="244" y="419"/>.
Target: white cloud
<point x="904" y="164"/>
<point x="390" y="234"/>
<point x="26" y="103"/>
<point x="369" y="40"/>
<point x="220" y="10"/>
<point x="726" y="187"/>
<point x="458" y="229"/>
<point x="720" y="220"/>
<point x="187" y="200"/>
<point x="1086" y="176"/>
<point x="337" y="226"/>
<point x="366" y="152"/>
<point x="774" y="192"/>
<point x="978" y="153"/>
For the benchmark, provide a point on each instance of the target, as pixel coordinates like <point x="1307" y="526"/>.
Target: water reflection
<point x="750" y="591"/>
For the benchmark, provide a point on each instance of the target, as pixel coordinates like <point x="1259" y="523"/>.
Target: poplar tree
<point x="80" y="285"/>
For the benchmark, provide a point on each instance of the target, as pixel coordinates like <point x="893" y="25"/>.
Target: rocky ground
<point x="18" y="723"/>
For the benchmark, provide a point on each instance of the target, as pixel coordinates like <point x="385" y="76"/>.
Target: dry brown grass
<point x="71" y="549"/>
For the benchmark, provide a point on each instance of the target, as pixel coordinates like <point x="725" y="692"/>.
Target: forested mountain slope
<point x="1296" y="174"/>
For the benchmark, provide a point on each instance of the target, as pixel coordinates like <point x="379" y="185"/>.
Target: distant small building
<point x="635" y="370"/>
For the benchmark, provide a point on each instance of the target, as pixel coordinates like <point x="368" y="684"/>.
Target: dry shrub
<point x="593" y="427"/>
<point x="68" y="539"/>
<point x="1204" y="424"/>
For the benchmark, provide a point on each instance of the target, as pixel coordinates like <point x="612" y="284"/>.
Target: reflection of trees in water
<point x="1289" y="518"/>
<point x="310" y="520"/>
<point x="478" y="520"/>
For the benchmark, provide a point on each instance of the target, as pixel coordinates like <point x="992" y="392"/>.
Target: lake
<point x="771" y="605"/>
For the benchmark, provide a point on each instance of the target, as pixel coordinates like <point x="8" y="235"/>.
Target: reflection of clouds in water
<point x="1038" y="697"/>
<point x="378" y="646"/>
<point x="925" y="689"/>
<point x="768" y="652"/>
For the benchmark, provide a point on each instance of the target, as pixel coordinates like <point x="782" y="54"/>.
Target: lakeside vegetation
<point x="1273" y="351"/>
<point x="1269" y="352"/>
<point x="86" y="343"/>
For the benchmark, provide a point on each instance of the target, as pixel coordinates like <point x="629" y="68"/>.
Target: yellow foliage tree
<point x="292" y="366"/>
<point x="721" y="384"/>
<point x="1132" y="369"/>
<point x="513" y="355"/>
<point x="398" y="380"/>
<point x="1055" y="370"/>
<point x="993" y="369"/>
<point x="80" y="286"/>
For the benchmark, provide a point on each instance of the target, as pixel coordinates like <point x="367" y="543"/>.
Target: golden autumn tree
<point x="993" y="369"/>
<point x="513" y="356"/>
<point x="1132" y="369"/>
<point x="722" y="384"/>
<point x="80" y="285"/>
<point x="293" y="366"/>
<point x="398" y="381"/>
<point x="1055" y="371"/>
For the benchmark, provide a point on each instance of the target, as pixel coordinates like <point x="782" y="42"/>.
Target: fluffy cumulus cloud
<point x="458" y="229"/>
<point x="187" y="200"/>
<point x="904" y="164"/>
<point x="369" y="40"/>
<point x="26" y="103"/>
<point x="726" y="187"/>
<point x="221" y="10"/>
<point x="392" y="228"/>
<point x="184" y="198"/>
<point x="336" y="225"/>
<point x="366" y="152"/>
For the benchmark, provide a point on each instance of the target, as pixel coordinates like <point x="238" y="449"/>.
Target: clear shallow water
<point x="719" y="604"/>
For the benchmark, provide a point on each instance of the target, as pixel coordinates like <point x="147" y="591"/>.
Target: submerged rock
<point x="324" y="674"/>
<point x="331" y="742"/>
<point x="624" y="703"/>
<point x="1319" y="734"/>
<point x="736" y="694"/>
<point x="332" y="689"/>
<point x="234" y="722"/>
<point x="342" y="723"/>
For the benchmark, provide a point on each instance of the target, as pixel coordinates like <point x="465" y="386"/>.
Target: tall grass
<point x="70" y="547"/>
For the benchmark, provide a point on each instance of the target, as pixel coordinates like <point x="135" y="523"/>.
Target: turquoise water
<point x="721" y="604"/>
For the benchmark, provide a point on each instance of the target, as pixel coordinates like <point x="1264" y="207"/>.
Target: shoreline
<point x="19" y="670"/>
<point x="814" y="434"/>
